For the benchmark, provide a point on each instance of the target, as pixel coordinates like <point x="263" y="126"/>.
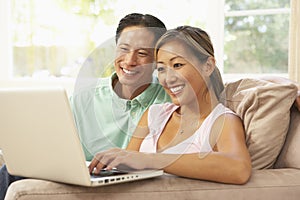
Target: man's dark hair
<point x="142" y="20"/>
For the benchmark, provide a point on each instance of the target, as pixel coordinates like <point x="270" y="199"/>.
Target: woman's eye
<point x="160" y="68"/>
<point x="176" y="65"/>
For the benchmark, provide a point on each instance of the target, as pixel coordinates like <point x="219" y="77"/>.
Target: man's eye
<point x="124" y="49"/>
<point x="142" y="53"/>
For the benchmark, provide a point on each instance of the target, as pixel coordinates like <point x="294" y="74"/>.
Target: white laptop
<point x="38" y="138"/>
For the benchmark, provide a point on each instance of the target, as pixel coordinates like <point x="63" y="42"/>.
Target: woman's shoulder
<point x="222" y="114"/>
<point x="162" y="107"/>
<point x="161" y="111"/>
<point x="221" y="109"/>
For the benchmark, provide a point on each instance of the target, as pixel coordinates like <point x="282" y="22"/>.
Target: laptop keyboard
<point x="112" y="172"/>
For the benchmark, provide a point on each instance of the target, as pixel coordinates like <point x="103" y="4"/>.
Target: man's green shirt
<point x="104" y="120"/>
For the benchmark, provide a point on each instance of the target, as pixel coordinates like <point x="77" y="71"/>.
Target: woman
<point x="195" y="136"/>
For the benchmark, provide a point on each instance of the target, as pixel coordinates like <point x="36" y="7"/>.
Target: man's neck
<point x="127" y="92"/>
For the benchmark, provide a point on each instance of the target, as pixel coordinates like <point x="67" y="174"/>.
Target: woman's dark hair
<point x="142" y="20"/>
<point x="199" y="42"/>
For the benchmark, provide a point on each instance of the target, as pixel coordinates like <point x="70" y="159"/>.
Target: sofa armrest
<point x="264" y="184"/>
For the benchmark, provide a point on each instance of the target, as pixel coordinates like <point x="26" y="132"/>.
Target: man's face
<point x="134" y="63"/>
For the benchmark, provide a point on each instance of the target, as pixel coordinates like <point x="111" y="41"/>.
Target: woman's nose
<point x="170" y="75"/>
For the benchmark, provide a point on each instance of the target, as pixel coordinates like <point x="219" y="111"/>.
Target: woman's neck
<point x="200" y="108"/>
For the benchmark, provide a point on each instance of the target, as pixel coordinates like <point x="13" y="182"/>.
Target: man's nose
<point x="131" y="58"/>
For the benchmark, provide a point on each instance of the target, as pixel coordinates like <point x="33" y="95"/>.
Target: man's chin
<point x="133" y="83"/>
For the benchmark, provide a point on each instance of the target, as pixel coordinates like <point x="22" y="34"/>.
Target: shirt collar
<point x="143" y="99"/>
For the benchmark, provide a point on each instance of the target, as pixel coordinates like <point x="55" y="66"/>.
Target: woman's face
<point x="179" y="72"/>
<point x="134" y="56"/>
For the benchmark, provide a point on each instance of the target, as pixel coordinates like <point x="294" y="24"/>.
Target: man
<point x="107" y="111"/>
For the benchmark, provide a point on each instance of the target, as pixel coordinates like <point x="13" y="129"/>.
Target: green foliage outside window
<point x="256" y="44"/>
<point x="56" y="36"/>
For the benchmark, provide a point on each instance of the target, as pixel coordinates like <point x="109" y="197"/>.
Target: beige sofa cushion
<point x="290" y="154"/>
<point x="273" y="184"/>
<point x="264" y="108"/>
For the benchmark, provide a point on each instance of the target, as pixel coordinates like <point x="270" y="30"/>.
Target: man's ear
<point x="209" y="66"/>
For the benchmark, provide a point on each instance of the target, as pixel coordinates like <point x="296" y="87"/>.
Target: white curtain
<point x="294" y="42"/>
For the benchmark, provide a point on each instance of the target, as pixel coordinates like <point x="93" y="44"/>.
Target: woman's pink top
<point x="158" y="117"/>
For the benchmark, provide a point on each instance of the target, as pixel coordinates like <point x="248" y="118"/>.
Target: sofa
<point x="276" y="162"/>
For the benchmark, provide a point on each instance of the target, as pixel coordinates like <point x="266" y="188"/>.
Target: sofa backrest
<point x="289" y="156"/>
<point x="1" y="158"/>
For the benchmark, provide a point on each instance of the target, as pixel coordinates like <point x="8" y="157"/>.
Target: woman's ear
<point x="209" y="66"/>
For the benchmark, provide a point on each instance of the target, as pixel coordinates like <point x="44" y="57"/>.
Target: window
<point x="256" y="36"/>
<point x="50" y="39"/>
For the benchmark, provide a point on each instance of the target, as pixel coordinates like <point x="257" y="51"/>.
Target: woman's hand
<point x="116" y="157"/>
